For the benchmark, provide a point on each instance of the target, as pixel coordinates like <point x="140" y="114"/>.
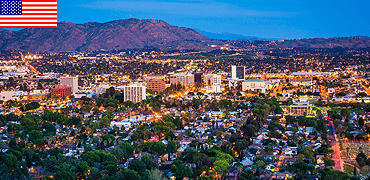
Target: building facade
<point x="211" y="79"/>
<point x="157" y="85"/>
<point x="255" y="85"/>
<point x="70" y="81"/>
<point x="238" y="72"/>
<point x="186" y="80"/>
<point x="135" y="92"/>
<point x="198" y="77"/>
<point x="61" y="91"/>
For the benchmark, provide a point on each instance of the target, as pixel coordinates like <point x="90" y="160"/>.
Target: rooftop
<point x="254" y="80"/>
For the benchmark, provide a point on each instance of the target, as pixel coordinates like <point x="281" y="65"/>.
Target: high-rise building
<point x="198" y="77"/>
<point x="186" y="79"/>
<point x="156" y="85"/>
<point x="238" y="72"/>
<point x="211" y="79"/>
<point x="71" y="82"/>
<point x="135" y="92"/>
<point x="61" y="91"/>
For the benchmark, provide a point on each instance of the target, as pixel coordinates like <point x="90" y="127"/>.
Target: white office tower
<point x="70" y="81"/>
<point x="211" y="79"/>
<point x="238" y="72"/>
<point x="135" y="92"/>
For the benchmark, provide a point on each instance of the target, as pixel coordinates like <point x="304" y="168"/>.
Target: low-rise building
<point x="157" y="85"/>
<point x="185" y="79"/>
<point x="255" y="85"/>
<point x="61" y="91"/>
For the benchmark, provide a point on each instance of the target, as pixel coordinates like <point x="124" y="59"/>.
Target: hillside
<point x="119" y="34"/>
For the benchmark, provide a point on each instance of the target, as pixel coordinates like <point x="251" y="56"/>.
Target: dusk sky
<point x="284" y="19"/>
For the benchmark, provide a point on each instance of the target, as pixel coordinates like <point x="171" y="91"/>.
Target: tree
<point x="260" y="164"/>
<point x="361" y="159"/>
<point x="65" y="171"/>
<point x="156" y="174"/>
<point x="221" y="166"/>
<point x="361" y="122"/>
<point x="307" y="151"/>
<point x="34" y="135"/>
<point x="158" y="147"/>
<point x="50" y="163"/>
<point x="171" y="147"/>
<point x="137" y="166"/>
<point x="226" y="114"/>
<point x="118" y="153"/>
<point x="345" y="113"/>
<point x="295" y="130"/>
<point x="95" y="174"/>
<point x="201" y="159"/>
<point x="82" y="169"/>
<point x="182" y="171"/>
<point x="127" y="174"/>
<point x="361" y="94"/>
<point x="300" y="158"/>
<point x="329" y="162"/>
<point x="240" y="145"/>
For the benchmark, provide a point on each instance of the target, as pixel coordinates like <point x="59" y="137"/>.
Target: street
<point x="335" y="146"/>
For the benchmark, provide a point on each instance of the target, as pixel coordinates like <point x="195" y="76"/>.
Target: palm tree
<point x="254" y="169"/>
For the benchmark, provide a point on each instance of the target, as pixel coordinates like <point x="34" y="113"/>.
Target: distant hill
<point x="342" y="42"/>
<point x="229" y="36"/>
<point x="119" y="34"/>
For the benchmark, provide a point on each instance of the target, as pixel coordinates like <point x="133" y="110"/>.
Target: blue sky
<point x="284" y="19"/>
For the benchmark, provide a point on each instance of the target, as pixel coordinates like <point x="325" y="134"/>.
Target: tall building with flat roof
<point x="184" y="79"/>
<point x="71" y="82"/>
<point x="238" y="72"/>
<point x="135" y="92"/>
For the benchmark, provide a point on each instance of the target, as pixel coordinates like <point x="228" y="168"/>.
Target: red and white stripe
<point x="35" y="14"/>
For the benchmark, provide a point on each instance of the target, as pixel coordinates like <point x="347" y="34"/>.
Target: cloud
<point x="184" y="7"/>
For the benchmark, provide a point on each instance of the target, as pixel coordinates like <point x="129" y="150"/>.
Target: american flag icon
<point x="28" y="13"/>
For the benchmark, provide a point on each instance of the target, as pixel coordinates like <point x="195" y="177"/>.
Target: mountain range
<point x="148" y="33"/>
<point x="231" y="36"/>
<point x="119" y="34"/>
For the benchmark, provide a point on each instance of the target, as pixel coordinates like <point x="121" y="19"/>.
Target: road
<point x="335" y="146"/>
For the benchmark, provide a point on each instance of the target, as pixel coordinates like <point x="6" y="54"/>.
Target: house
<point x="234" y="173"/>
<point x="290" y="151"/>
<point x="249" y="156"/>
<point x="191" y="165"/>
<point x="270" y="167"/>
<point x="284" y="175"/>
<point x="320" y="159"/>
<point x="247" y="162"/>
<point x="309" y="130"/>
